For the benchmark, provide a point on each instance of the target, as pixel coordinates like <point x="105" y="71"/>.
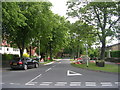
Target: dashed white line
<point x="75" y="83"/>
<point x="60" y="83"/>
<point x="90" y="83"/>
<point x="2" y="83"/>
<point x="48" y="69"/>
<point x="14" y="83"/>
<point x="31" y="81"/>
<point x="45" y="83"/>
<point x="106" y="83"/>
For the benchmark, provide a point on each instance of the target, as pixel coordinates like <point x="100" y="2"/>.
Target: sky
<point x="60" y="8"/>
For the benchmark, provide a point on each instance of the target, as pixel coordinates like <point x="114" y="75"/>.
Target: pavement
<point x="59" y="74"/>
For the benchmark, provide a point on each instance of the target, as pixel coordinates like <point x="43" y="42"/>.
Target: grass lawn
<point x="72" y="60"/>
<point x="92" y="66"/>
<point x="48" y="61"/>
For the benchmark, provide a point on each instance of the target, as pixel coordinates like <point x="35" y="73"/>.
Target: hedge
<point x="9" y="56"/>
<point x="115" y="53"/>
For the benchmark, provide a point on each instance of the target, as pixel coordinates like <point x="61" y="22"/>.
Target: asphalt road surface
<point x="58" y="75"/>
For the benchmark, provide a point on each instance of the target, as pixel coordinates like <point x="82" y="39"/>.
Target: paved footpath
<point x="59" y="74"/>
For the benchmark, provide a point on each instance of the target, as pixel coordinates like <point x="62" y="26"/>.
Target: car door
<point x="29" y="62"/>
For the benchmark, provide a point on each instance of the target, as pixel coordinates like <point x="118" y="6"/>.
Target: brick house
<point x="115" y="47"/>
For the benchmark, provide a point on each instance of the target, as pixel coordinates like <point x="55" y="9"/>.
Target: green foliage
<point x="115" y="53"/>
<point x="30" y="23"/>
<point x="99" y="15"/>
<point x="92" y="66"/>
<point x="8" y="57"/>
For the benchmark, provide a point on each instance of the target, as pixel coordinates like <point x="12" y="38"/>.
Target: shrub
<point x="9" y="56"/>
<point x="115" y="53"/>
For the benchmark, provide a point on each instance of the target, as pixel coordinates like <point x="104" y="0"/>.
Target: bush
<point x="115" y="53"/>
<point x="9" y="56"/>
<point x="6" y="58"/>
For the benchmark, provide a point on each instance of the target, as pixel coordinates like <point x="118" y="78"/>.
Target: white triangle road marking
<point x="73" y="73"/>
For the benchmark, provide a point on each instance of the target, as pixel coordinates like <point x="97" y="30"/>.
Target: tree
<point x="20" y="22"/>
<point x="100" y="15"/>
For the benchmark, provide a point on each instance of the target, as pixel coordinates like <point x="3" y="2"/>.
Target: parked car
<point x="79" y="60"/>
<point x="24" y="63"/>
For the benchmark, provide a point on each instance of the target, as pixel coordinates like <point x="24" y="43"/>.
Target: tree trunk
<point x="50" y="51"/>
<point x="21" y="52"/>
<point x="30" y="51"/>
<point x="78" y="51"/>
<point x="102" y="55"/>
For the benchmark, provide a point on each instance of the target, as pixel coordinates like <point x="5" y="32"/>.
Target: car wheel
<point x="25" y="67"/>
<point x="36" y="65"/>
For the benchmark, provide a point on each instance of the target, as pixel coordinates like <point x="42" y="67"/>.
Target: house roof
<point x="113" y="45"/>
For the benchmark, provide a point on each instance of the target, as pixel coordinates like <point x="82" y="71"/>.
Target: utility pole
<point x="86" y="53"/>
<point x="39" y="49"/>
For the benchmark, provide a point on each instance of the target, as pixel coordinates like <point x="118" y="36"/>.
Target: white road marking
<point x="31" y="81"/>
<point x="75" y="83"/>
<point x="44" y="84"/>
<point x="48" y="69"/>
<point x="90" y="83"/>
<point x="73" y="73"/>
<point x="118" y="83"/>
<point x="49" y="63"/>
<point x="47" y="82"/>
<point x="60" y="83"/>
<point x="106" y="83"/>
<point x="14" y="83"/>
<point x="2" y="83"/>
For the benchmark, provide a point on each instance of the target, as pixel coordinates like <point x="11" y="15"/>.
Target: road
<point x="58" y="75"/>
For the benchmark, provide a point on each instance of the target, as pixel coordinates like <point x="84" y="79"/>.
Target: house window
<point x="7" y="49"/>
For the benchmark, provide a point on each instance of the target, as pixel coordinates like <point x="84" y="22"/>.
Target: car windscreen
<point x="18" y="59"/>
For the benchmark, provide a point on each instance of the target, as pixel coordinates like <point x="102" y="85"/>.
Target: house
<point x="115" y="47"/>
<point x="6" y="49"/>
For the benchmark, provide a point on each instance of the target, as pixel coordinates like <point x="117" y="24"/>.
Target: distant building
<point x="115" y="47"/>
<point x="6" y="49"/>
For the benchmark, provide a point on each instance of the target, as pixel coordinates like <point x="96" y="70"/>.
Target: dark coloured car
<point x="24" y="63"/>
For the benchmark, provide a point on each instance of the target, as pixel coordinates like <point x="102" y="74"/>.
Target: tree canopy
<point x="103" y="16"/>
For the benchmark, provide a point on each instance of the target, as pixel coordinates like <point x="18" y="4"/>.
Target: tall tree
<point x="20" y="22"/>
<point x="102" y="15"/>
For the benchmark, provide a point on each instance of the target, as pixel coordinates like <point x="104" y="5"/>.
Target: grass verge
<point x="48" y="61"/>
<point x="92" y="66"/>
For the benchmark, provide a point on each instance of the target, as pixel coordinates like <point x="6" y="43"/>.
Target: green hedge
<point x="9" y="56"/>
<point x="115" y="53"/>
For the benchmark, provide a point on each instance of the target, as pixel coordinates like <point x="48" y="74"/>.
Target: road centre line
<point x="48" y="69"/>
<point x="31" y="81"/>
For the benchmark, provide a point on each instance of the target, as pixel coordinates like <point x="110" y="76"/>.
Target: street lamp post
<point x="39" y="49"/>
<point x="87" y="54"/>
